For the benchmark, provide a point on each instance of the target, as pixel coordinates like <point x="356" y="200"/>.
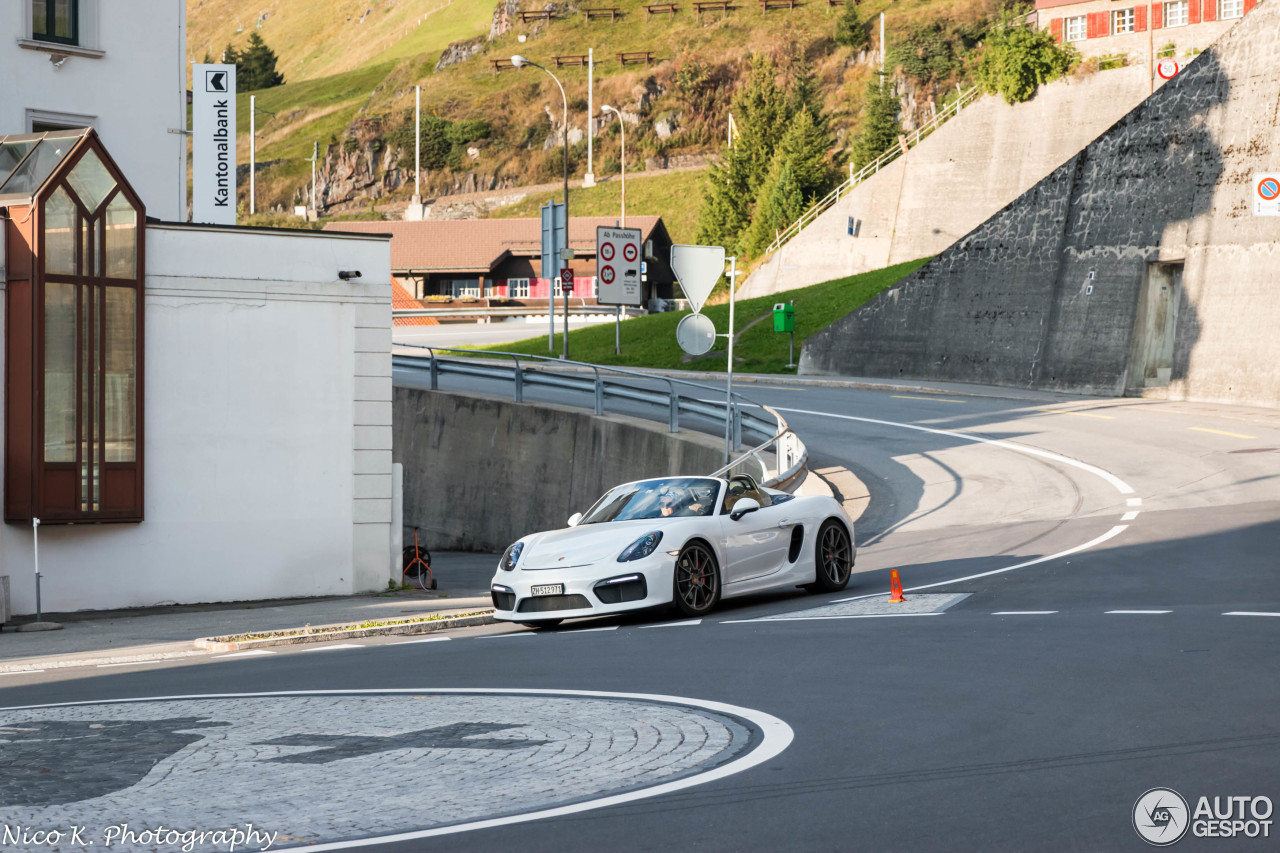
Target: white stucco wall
<point x="132" y="94"/>
<point x="268" y="431"/>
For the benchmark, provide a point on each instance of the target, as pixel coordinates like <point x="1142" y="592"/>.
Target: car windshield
<point x="671" y="497"/>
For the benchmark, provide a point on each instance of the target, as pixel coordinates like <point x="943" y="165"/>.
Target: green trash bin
<point x="784" y="317"/>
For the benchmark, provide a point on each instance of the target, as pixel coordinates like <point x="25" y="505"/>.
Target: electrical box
<point x="784" y="317"/>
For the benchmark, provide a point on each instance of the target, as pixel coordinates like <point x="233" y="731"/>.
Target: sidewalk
<point x="164" y="633"/>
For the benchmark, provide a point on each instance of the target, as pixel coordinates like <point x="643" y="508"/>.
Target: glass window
<point x="1175" y="14"/>
<point x="1077" y="28"/>
<point x="11" y="154"/>
<point x="33" y="172"/>
<point x="91" y="181"/>
<point x="1122" y="21"/>
<point x="465" y="287"/>
<point x="119" y="347"/>
<point x="122" y="239"/>
<point x="1232" y="9"/>
<point x="518" y="288"/>
<point x="55" y="20"/>
<point x="59" y="372"/>
<point x="60" y="234"/>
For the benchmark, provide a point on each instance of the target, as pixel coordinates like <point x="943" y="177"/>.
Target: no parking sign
<point x="620" y="275"/>
<point x="1266" y="194"/>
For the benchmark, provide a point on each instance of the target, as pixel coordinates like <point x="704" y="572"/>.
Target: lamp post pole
<point x="622" y="132"/>
<point x="518" y="61"/>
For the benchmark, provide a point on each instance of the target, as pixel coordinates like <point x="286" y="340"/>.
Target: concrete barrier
<point x="481" y="471"/>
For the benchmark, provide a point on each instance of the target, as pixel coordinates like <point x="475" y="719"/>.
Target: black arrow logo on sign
<point x="216" y="81"/>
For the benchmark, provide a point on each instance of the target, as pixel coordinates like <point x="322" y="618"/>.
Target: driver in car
<point x="672" y="503"/>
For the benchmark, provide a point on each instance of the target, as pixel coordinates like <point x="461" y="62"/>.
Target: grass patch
<point x="675" y="197"/>
<point x="650" y="341"/>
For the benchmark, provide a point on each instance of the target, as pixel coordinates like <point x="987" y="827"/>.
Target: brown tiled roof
<point x="478" y="245"/>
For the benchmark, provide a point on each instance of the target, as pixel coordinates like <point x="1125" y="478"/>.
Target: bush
<point x="469" y="130"/>
<point x="850" y="30"/>
<point x="1018" y="58"/>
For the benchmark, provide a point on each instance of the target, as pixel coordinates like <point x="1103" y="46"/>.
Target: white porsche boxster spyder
<point x="682" y="541"/>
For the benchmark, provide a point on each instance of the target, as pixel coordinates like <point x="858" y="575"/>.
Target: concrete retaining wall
<point x="964" y="172"/>
<point x="480" y="472"/>
<point x="1046" y="293"/>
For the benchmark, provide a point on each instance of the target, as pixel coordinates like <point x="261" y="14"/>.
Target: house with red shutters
<point x="1139" y="31"/>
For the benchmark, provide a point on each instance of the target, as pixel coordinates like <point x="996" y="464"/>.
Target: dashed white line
<point x="589" y="630"/>
<point x="1140" y="612"/>
<point x="125" y="663"/>
<point x="1249" y="613"/>
<point x="1024" y="613"/>
<point x="821" y="618"/>
<point x="674" y="624"/>
<point x="1129" y="516"/>
<point x="423" y="640"/>
<point x="249" y="653"/>
<point x="332" y="647"/>
<point x="21" y="672"/>
<point x="528" y="633"/>
<point x="1133" y="501"/>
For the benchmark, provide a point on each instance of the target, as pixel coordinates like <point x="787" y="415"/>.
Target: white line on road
<point x="589" y="630"/>
<point x="1134" y="501"/>
<point x="21" y="672"/>
<point x="331" y="648"/>
<point x="674" y="624"/>
<point x="125" y="663"/>
<point x="1086" y="546"/>
<point x="246" y="654"/>
<point x="528" y="633"/>
<point x="1129" y="516"/>
<point x="825" y="618"/>
<point x="1024" y="613"/>
<point x="423" y="640"/>
<point x="1140" y="612"/>
<point x="1249" y="613"/>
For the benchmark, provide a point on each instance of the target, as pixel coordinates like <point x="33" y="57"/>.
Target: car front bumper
<point x="592" y="590"/>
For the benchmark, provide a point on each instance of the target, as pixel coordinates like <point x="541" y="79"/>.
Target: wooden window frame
<point x="50" y="5"/>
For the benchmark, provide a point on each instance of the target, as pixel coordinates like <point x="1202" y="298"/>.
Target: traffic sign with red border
<point x="620" y="272"/>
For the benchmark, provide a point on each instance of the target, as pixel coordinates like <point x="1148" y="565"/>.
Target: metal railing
<point x="790" y="454"/>
<point x="821" y="206"/>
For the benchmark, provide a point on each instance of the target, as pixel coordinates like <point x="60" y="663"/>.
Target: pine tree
<point x="805" y="148"/>
<point x="726" y="201"/>
<point x="230" y="56"/>
<point x="850" y="31"/>
<point x="256" y="67"/>
<point x="880" y="127"/>
<point x="760" y="112"/>
<point x="781" y="203"/>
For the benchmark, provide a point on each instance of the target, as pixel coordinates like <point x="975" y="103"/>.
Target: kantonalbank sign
<point x="213" y="146"/>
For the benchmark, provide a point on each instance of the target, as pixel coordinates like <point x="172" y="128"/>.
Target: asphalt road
<point x="1102" y="544"/>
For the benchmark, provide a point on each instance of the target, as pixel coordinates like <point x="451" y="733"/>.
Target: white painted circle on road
<point x="335" y="769"/>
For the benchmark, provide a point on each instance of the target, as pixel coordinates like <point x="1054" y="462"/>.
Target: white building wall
<point x="127" y="79"/>
<point x="267" y="431"/>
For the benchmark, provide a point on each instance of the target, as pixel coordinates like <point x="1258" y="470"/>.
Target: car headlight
<point x="511" y="556"/>
<point x="642" y="547"/>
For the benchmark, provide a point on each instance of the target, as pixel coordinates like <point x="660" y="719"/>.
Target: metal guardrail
<point x="484" y="311"/>
<point x="789" y="450"/>
<point x="826" y="202"/>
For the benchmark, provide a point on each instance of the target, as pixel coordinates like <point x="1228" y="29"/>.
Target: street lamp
<point x="622" y="131"/>
<point x="519" y="61"/>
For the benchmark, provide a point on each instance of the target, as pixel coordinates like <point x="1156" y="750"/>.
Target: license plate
<point x="547" y="589"/>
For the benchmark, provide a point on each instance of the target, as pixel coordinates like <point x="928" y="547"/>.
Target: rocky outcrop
<point x="460" y="51"/>
<point x="503" y="17"/>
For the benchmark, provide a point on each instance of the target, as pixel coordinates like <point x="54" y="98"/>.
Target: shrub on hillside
<point x="850" y="30"/>
<point x="1018" y="58"/>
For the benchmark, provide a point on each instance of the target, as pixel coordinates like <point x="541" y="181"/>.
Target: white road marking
<point x="931" y="399"/>
<point x="826" y="618"/>
<point x="776" y="736"/>
<point x="332" y="647"/>
<point x="22" y="672"/>
<point x="1086" y="546"/>
<point x="1232" y="613"/>
<point x="1140" y="612"/>
<point x="528" y="633"/>
<point x="246" y="654"/>
<point x="674" y="624"/>
<point x="423" y="640"/>
<point x="126" y="663"/>
<point x="1134" y="501"/>
<point x="1129" y="516"/>
<point x="1024" y="613"/>
<point x="1120" y="485"/>
<point x="589" y="630"/>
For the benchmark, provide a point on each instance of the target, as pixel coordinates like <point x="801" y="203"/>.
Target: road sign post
<point x="554" y="234"/>
<point x="698" y="268"/>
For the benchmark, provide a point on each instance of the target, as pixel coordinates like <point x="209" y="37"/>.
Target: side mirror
<point x="744" y="506"/>
<point x="574" y="519"/>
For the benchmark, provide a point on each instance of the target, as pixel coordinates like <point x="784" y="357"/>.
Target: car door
<point x="755" y="544"/>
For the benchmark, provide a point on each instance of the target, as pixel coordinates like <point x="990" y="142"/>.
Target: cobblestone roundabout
<point x="318" y="769"/>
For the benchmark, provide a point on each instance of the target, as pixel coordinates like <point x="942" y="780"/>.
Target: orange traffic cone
<point x="895" y="588"/>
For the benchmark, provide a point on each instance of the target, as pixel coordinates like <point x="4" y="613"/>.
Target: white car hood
<point x="584" y="545"/>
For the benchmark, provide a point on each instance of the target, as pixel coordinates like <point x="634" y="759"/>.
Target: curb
<point x="325" y="634"/>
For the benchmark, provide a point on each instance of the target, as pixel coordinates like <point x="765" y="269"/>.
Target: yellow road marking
<point x="1078" y="414"/>
<point x="1220" y="432"/>
<point x="931" y="399"/>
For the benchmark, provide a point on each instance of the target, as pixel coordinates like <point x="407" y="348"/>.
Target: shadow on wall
<point x="1062" y="289"/>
